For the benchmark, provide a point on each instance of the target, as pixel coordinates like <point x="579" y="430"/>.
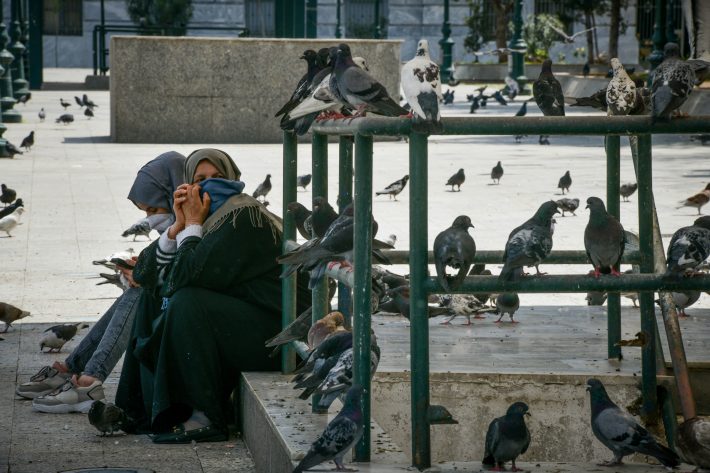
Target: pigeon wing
<point x="492" y="441"/>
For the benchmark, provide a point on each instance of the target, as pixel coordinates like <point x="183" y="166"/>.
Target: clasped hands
<point x="189" y="208"/>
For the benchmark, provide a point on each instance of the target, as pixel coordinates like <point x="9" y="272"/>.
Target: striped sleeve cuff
<point x="190" y="230"/>
<point x="166" y="248"/>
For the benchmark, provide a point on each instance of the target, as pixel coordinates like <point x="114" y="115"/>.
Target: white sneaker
<point x="44" y="382"/>
<point x="69" y="398"/>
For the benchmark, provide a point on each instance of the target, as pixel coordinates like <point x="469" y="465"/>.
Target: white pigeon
<point x="422" y="89"/>
<point x="119" y="255"/>
<point x="9" y="222"/>
<point x="621" y="91"/>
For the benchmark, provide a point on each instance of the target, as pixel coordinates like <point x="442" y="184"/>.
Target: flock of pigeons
<point x="66" y="118"/>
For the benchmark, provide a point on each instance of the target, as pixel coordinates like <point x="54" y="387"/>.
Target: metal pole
<point x="288" y="284"/>
<point x="671" y="36"/>
<point x="516" y="66"/>
<point x="612" y="203"/>
<point x="447" y="45"/>
<point x="658" y="38"/>
<point x="9" y="115"/>
<point x="362" y="289"/>
<point x="345" y="197"/>
<point x="418" y="313"/>
<point x="338" y="24"/>
<point x="378" y="29"/>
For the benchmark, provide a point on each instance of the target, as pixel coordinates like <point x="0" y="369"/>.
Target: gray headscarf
<point x="218" y="158"/>
<point x="157" y="180"/>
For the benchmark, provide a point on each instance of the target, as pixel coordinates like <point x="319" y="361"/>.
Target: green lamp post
<point x="7" y="101"/>
<point x="338" y="23"/>
<point x="3" y="141"/>
<point x="447" y="46"/>
<point x="378" y="28"/>
<point x="19" y="85"/>
<point x="516" y="65"/>
<point x="658" y="38"/>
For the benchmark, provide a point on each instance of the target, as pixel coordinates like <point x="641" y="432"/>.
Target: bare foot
<point x="83" y="381"/>
<point x="60" y="366"/>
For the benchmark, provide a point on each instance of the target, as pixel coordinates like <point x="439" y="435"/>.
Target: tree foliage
<point x="172" y="15"/>
<point x="474" y="39"/>
<point x="539" y="35"/>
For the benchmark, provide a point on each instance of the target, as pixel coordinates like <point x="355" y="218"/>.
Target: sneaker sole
<point x="82" y="407"/>
<point x="32" y="395"/>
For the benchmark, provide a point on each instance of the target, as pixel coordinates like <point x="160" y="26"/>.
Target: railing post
<point x="648" y="312"/>
<point x="612" y="204"/>
<point x="418" y="316"/>
<point x="94" y="58"/>
<point x="362" y="290"/>
<point x="345" y="197"/>
<point x="288" y="284"/>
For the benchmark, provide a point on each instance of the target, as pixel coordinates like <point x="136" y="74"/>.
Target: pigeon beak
<point x="528" y="414"/>
<point x="301" y="57"/>
<point x="587" y="206"/>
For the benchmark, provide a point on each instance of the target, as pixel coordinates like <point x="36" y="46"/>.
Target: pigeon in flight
<point x="497" y="171"/>
<point x="8" y="195"/>
<point x="28" y="141"/>
<point x="547" y="92"/>
<point x="141" y="227"/>
<point x="454" y="248"/>
<point x="565" y="182"/>
<point x="9" y="314"/>
<point x="689" y="247"/>
<point x="570" y="39"/>
<point x="263" y="189"/>
<point x="107" y="417"/>
<point x="395" y="188"/>
<point x="673" y="81"/>
<point x="9" y="222"/>
<point x="567" y="205"/>
<point x="303" y="181"/>
<point x="55" y="337"/>
<point x="621" y="91"/>
<point x="626" y="190"/>
<point x="620" y="432"/>
<point x="66" y="118"/>
<point x="422" y="90"/>
<point x="456" y="180"/>
<point x="697" y="200"/>
<point x="508" y="437"/>
<point x="64" y="104"/>
<point x="604" y="239"/>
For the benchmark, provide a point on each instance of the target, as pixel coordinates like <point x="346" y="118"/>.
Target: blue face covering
<point x="220" y="190"/>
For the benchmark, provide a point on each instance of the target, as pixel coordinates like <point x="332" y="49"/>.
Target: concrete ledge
<point x="97" y="82"/>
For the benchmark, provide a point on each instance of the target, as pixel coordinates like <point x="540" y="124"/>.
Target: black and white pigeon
<point x="422" y="90"/>
<point x="42" y="114"/>
<point x="530" y="243"/>
<point x="315" y="367"/>
<point x="507" y="303"/>
<point x="5" y="211"/>
<point x="64" y="104"/>
<point x="547" y="92"/>
<point x="673" y="81"/>
<point x="88" y="113"/>
<point x="395" y="188"/>
<point x="497" y="173"/>
<point x="88" y="102"/>
<point x="507" y="438"/>
<point x="323" y="216"/>
<point x="621" y="91"/>
<point x="79" y="102"/>
<point x="7" y="195"/>
<point x="9" y="314"/>
<point x="301" y="91"/>
<point x="626" y="190"/>
<point x="263" y="189"/>
<point x="107" y="417"/>
<point x="302" y="218"/>
<point x="341" y="434"/>
<point x="66" y="118"/>
<point x="340" y="378"/>
<point x="55" y="337"/>
<point x="567" y="205"/>
<point x="357" y="88"/>
<point x="28" y="141"/>
<point x="464" y="305"/>
<point x="454" y="248"/>
<point x="565" y="182"/>
<point x="596" y="100"/>
<point x="456" y="180"/>
<point x="604" y="239"/>
<point x="11" y="149"/>
<point x="620" y="432"/>
<point x="689" y="247"/>
<point x="140" y="228"/>
<point x="303" y="181"/>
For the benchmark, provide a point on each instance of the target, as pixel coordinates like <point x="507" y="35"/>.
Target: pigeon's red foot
<point x="614" y="272"/>
<point x="498" y="468"/>
<point x="514" y="321"/>
<point x="478" y="316"/>
<point x="682" y="314"/>
<point x="597" y="273"/>
<point x="515" y="468"/>
<point x="610" y="463"/>
<point x="408" y="115"/>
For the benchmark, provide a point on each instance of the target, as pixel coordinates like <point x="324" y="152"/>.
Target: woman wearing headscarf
<point x="72" y="385"/>
<point x="222" y="301"/>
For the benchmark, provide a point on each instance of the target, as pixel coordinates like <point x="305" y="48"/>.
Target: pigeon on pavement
<point x="497" y="172"/>
<point x="683" y="300"/>
<point x="323" y="216"/>
<point x="8" y="195"/>
<point x="64" y="104"/>
<point x="28" y="141"/>
<point x="88" y="113"/>
<point x="507" y="303"/>
<point x="395" y="188"/>
<point x="58" y="335"/>
<point x="692" y="442"/>
<point x="498" y="96"/>
<point x="621" y="91"/>
<point x="565" y="182"/>
<point x="547" y="92"/>
<point x="604" y="239"/>
<point x="567" y="205"/>
<point x="673" y="81"/>
<point x="689" y="247"/>
<point x="141" y="227"/>
<point x="422" y="90"/>
<point x="447" y="97"/>
<point x="626" y="190"/>
<point x="9" y="314"/>
<point x="400" y="296"/>
<point x="454" y="248"/>
<point x="65" y="118"/>
<point x="586" y="70"/>
<point x="79" y="102"/>
<point x="464" y="305"/>
<point x="697" y="200"/>
<point x="12" y="149"/>
<point x="302" y="217"/>
<point x="5" y="211"/>
<point x="620" y="432"/>
<point x="263" y="189"/>
<point x="530" y="243"/>
<point x="341" y="434"/>
<point x="107" y="417"/>
<point x="42" y="114"/>
<point x="88" y="102"/>
<point x="9" y="222"/>
<point x="456" y="180"/>
<point x="303" y="181"/>
<point x="507" y="438"/>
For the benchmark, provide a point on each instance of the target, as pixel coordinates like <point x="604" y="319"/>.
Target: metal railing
<point x="418" y="256"/>
<point x="100" y="48"/>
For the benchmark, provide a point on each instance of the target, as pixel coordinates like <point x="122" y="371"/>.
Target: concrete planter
<point x="496" y="72"/>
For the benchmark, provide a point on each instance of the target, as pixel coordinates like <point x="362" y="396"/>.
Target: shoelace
<point x="43" y="374"/>
<point x="66" y="386"/>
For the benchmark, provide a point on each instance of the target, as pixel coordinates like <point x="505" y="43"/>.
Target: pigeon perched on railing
<point x="621" y="91"/>
<point x="689" y="247"/>
<point x="455" y="248"/>
<point x="395" y="188"/>
<point x="626" y="190"/>
<point x="303" y="181"/>
<point x="320" y="330"/>
<point x="340" y="377"/>
<point x="456" y="180"/>
<point x="565" y="182"/>
<point x="9" y="314"/>
<point x="422" y="90"/>
<point x="57" y="336"/>
<point x="567" y="205"/>
<point x="263" y="189"/>
<point x="323" y="216"/>
<point x="301" y="91"/>
<point x="141" y="227"/>
<point x="604" y="239"/>
<point x="673" y="81"/>
<point x="302" y="218"/>
<point x="698" y="200"/>
<point x="497" y="171"/>
<point x="596" y="100"/>
<point x="507" y="438"/>
<point x="28" y="141"/>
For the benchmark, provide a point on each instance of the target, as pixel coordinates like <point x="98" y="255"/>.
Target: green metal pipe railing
<point x="496" y="257"/>
<point x="288" y="284"/>
<point x="345" y="197"/>
<point x="613" y="302"/>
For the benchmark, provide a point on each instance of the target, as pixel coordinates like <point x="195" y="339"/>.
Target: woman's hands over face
<point x="195" y="208"/>
<point x="179" y="198"/>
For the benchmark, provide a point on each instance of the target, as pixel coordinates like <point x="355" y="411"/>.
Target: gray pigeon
<point x="497" y="171"/>
<point x="604" y="239"/>
<point x="341" y="434"/>
<point x="8" y="195"/>
<point x="683" y="300"/>
<point x="565" y="182"/>
<point x="12" y="149"/>
<point x="568" y="205"/>
<point x="65" y="118"/>
<point x="620" y="432"/>
<point x="689" y="247"/>
<point x="302" y="217"/>
<point x="55" y="337"/>
<point x="42" y="114"/>
<point x="107" y="417"/>
<point x="395" y="188"/>
<point x="507" y="438"/>
<point x="28" y="141"/>
<point x="456" y="180"/>
<point x="263" y="189"/>
<point x="340" y="378"/>
<point x="530" y="243"/>
<point x="692" y="442"/>
<point x="547" y="92"/>
<point x="9" y="314"/>
<point x="673" y="81"/>
<point x="5" y="211"/>
<point x="141" y="227"/>
<point x="621" y="91"/>
<point x="626" y="190"/>
<point x="507" y="303"/>
<point x="455" y="248"/>
<point x="303" y="181"/>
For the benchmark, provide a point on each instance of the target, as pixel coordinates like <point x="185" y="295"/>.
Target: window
<point x="360" y="18"/>
<point x="260" y="18"/>
<point x="555" y="7"/>
<point x="63" y="17"/>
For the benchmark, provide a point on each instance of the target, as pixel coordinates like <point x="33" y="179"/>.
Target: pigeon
<point x="596" y="298"/>
<point x="303" y="181"/>
<point x="567" y="205"/>
<point x="9" y="314"/>
<point x="518" y="138"/>
<point x="8" y="195"/>
<point x="620" y="92"/>
<point x="567" y="38"/>
<point x="323" y="216"/>
<point x="355" y="87"/>
<point x="689" y="247"/>
<point x="474" y="104"/>
<point x="507" y="438"/>
<point x="596" y="100"/>
<point x="586" y="70"/>
<point x="263" y="189"/>
<point x="422" y="90"/>
<point x="395" y="188"/>
<point x="673" y="81"/>
<point x="523" y="110"/>
<point x="79" y="102"/>
<point x="88" y="103"/>
<point x="11" y="208"/>
<point x="497" y="171"/>
<point x="88" y="113"/>
<point x="683" y="300"/>
<point x="692" y="442"/>
<point x="703" y="138"/>
<point x="391" y="240"/>
<point x="464" y="305"/>
<point x="626" y="190"/>
<point x="9" y="222"/>
<point x="604" y="239"/>
<point x="565" y="182"/>
<point x="530" y="243"/>
<point x="456" y="180"/>
<point x="620" y="432"/>
<point x="341" y="434"/>
<point x="66" y="118"/>
<point x="42" y="114"/>
<point x="325" y="327"/>
<point x="64" y="104"/>
<point x="544" y="140"/>
<point x="498" y="96"/>
<point x="548" y="92"/>
<point x="697" y="200"/>
<point x="512" y="86"/>
<point x="58" y="335"/>
<point x="300" y="93"/>
<point x="28" y="141"/>
<point x="340" y="377"/>
<point x="507" y="303"/>
<point x="11" y="149"/>
<point x="107" y="417"/>
<point x="141" y="227"/>
<point x="302" y="217"/>
<point x="23" y="99"/>
<point x="454" y="248"/>
<point x="315" y="367"/>
<point x="400" y="296"/>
